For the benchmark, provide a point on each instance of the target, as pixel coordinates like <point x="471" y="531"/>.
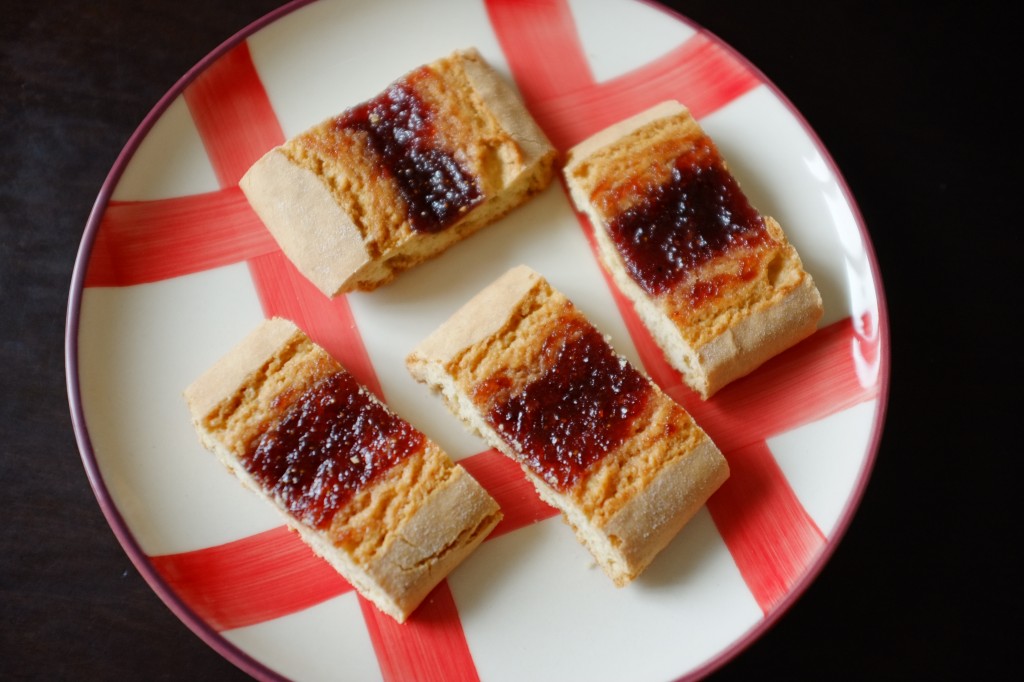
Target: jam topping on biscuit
<point x="399" y="126"/>
<point x="670" y="229"/>
<point x="332" y="440"/>
<point x="579" y="406"/>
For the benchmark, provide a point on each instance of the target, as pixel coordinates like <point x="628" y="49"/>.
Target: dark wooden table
<point x="914" y="106"/>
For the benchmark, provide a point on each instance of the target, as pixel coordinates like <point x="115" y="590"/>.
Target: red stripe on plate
<point x="814" y="379"/>
<point x="150" y="241"/>
<point x="770" y="536"/>
<point x="285" y="292"/>
<point x="233" y="114"/>
<point x="249" y="581"/>
<point x="700" y="74"/>
<point x="546" y="57"/>
<point x="505" y="481"/>
<point x="429" y="647"/>
<point x="542" y="47"/>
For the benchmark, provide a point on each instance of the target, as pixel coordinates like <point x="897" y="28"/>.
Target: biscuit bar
<point x="718" y="285"/>
<point x="523" y="368"/>
<point x="443" y="151"/>
<point x="369" y="493"/>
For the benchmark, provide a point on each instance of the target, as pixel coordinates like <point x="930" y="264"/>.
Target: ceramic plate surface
<point x="175" y="269"/>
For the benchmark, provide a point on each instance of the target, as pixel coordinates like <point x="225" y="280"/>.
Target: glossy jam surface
<point x="333" y="440"/>
<point x="580" y="407"/>
<point x="400" y="129"/>
<point x="674" y="228"/>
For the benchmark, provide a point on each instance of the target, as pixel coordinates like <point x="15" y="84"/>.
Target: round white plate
<point x="174" y="270"/>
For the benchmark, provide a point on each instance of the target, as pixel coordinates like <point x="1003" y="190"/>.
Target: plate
<point x="174" y="269"/>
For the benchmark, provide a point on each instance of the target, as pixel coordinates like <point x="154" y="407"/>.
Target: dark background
<point x="915" y="105"/>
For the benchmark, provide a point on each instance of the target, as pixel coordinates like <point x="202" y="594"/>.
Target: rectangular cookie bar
<point x="372" y="495"/>
<point x="443" y="151"/>
<point x="717" y="284"/>
<point x="524" y="368"/>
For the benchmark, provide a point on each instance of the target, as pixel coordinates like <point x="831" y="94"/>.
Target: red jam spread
<point x="579" y="408"/>
<point x="399" y="127"/>
<point x="333" y="440"/>
<point x="674" y="228"/>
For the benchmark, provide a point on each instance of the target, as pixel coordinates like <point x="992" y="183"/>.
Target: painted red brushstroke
<point x="150" y="241"/>
<point x="233" y="115"/>
<point x="542" y="47"/>
<point x="513" y="492"/>
<point x="251" y="580"/>
<point x="769" y="534"/>
<point x="700" y="74"/>
<point x="429" y="647"/>
<point x="285" y="292"/>
<point x="809" y="381"/>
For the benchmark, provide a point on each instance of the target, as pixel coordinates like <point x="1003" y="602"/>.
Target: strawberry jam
<point x="331" y="441"/>
<point x="674" y="228"/>
<point x="400" y="130"/>
<point x="580" y="407"/>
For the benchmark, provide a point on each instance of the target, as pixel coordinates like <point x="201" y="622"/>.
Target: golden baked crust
<point x="349" y="220"/>
<point x="629" y="474"/>
<point x="729" y="309"/>
<point x="394" y="530"/>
